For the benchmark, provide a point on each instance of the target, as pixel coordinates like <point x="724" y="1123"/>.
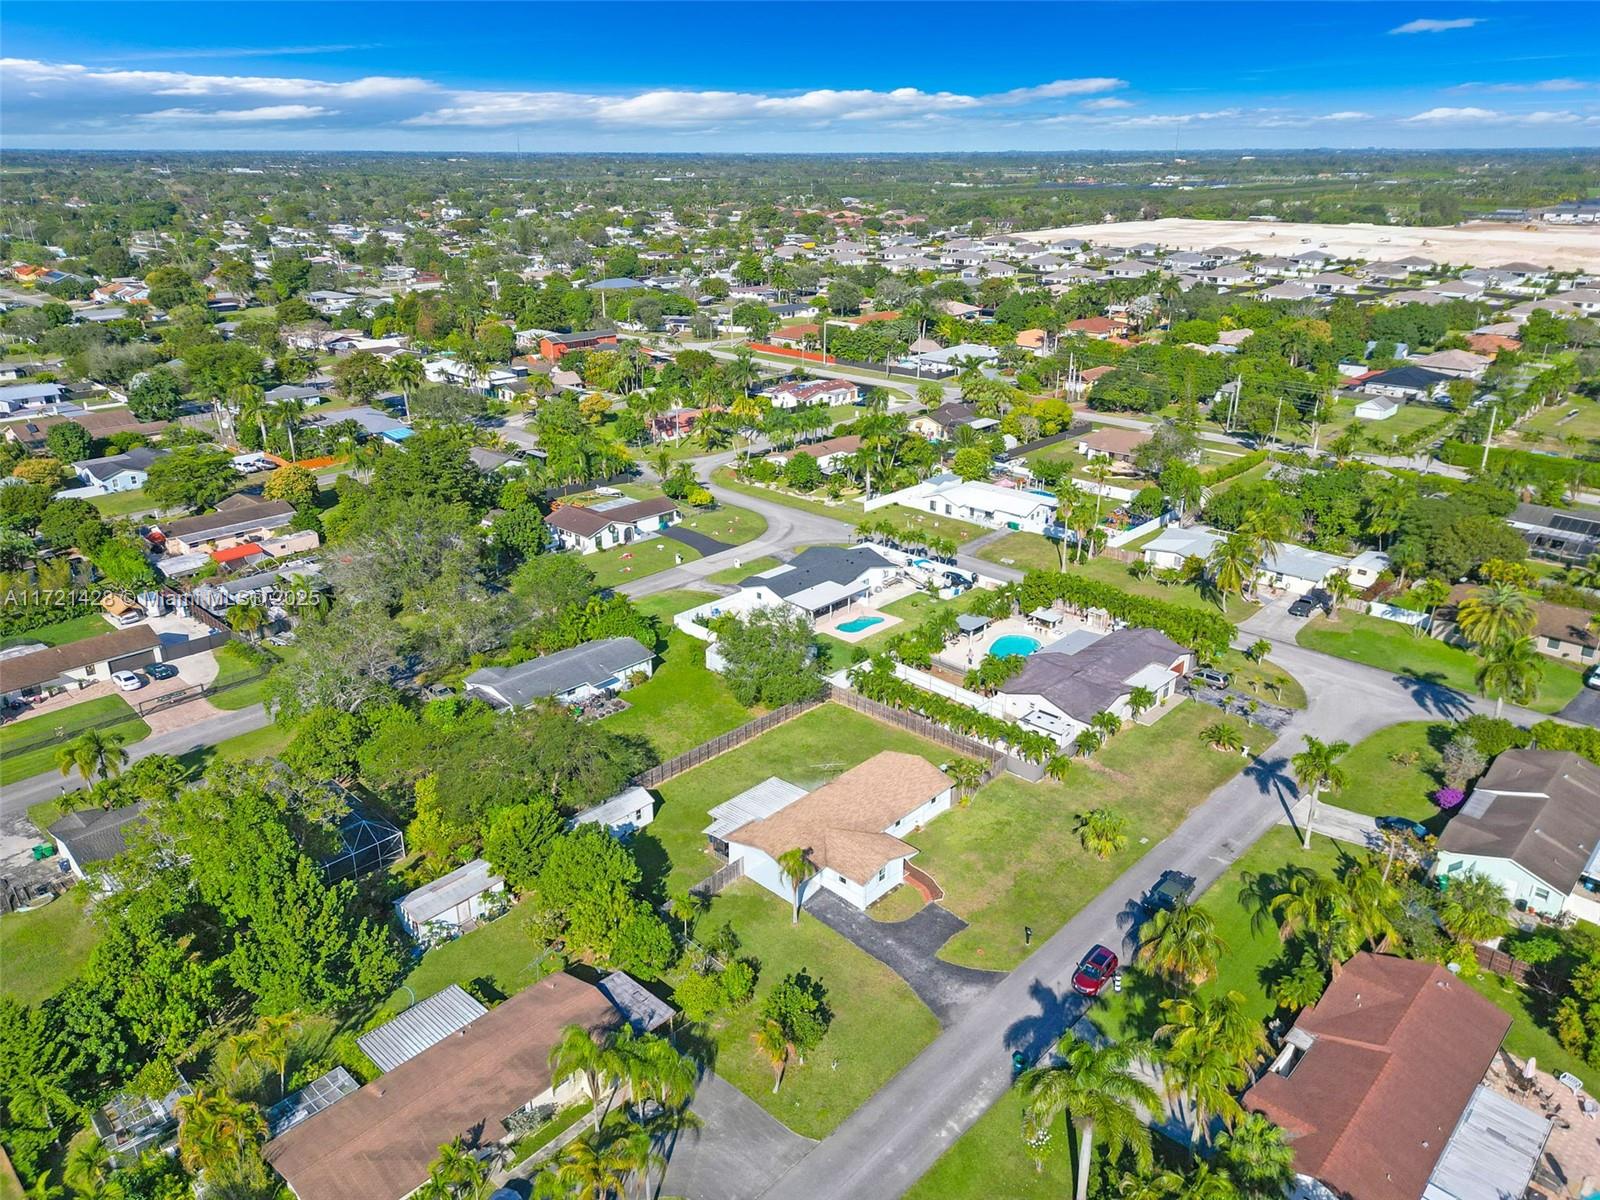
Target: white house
<point x="851" y="829"/>
<point x="1377" y="408"/>
<point x="115" y="473"/>
<point x="832" y="455"/>
<point x="1532" y="824"/>
<point x="567" y="676"/>
<point x="623" y="814"/>
<point x="814" y="391"/>
<point x="1292" y="568"/>
<point x="610" y="523"/>
<point x="818" y="580"/>
<point x="452" y="903"/>
<point x="987" y="504"/>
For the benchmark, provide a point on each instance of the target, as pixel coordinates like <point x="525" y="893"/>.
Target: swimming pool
<point x="1013" y="644"/>
<point x="860" y="624"/>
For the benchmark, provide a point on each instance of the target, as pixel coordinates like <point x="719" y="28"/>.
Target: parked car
<point x="1212" y="678"/>
<point x="1172" y="889"/>
<point x="1095" y="971"/>
<point x="1403" y="825"/>
<point x="1593" y="678"/>
<point x="127" y="680"/>
<point x="1302" y="607"/>
<point x="161" y="671"/>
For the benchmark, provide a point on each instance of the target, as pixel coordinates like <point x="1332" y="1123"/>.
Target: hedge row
<point x="1187" y="626"/>
<point x="1549" y="735"/>
<point x="877" y="681"/>
<point x="1229" y="470"/>
<point x="1535" y="467"/>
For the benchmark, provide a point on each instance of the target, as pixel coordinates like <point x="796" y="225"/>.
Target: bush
<point x="1448" y="798"/>
<point x="1496" y="735"/>
<point x="1210" y="632"/>
<point x="1233" y="469"/>
<point x="1548" y="735"/>
<point x="699" y="996"/>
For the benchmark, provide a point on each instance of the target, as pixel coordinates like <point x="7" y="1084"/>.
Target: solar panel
<point x="1583" y="525"/>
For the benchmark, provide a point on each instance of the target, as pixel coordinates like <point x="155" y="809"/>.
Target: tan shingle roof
<point x="842" y="823"/>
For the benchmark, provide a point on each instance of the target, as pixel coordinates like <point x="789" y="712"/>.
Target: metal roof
<point x="621" y="809"/>
<point x="423" y="1025"/>
<point x="447" y="891"/>
<point x="553" y="674"/>
<point x="642" y="1009"/>
<point x="752" y="804"/>
<point x="1492" y="1153"/>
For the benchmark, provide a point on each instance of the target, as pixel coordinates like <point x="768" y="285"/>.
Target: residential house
<point x="1331" y="283"/>
<point x="831" y="454"/>
<point x="1377" y="408"/>
<point x="238" y="520"/>
<point x="793" y="335"/>
<point x="115" y="473"/>
<point x="624" y="814"/>
<point x="1559" y="630"/>
<point x="379" y="1142"/>
<point x="1291" y="292"/>
<point x="1064" y="684"/>
<point x="1291" y="568"/>
<point x="1565" y="535"/>
<point x="940" y="424"/>
<point x="1099" y="328"/>
<point x="852" y="829"/>
<point x="1532" y="824"/>
<point x="1112" y="442"/>
<point x="567" y="676"/>
<point x="452" y="904"/>
<point x="1376" y="1082"/>
<point x="553" y="345"/>
<point x="985" y="504"/>
<point x="1407" y="383"/>
<point x="814" y="391"/>
<point x="595" y="527"/>
<point x="21" y="397"/>
<point x="820" y="579"/>
<point x="37" y="670"/>
<point x="1459" y="364"/>
<point x="89" y="837"/>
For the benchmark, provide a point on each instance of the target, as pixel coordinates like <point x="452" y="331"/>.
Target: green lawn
<point x="878" y="1023"/>
<point x="62" y="727"/>
<point x="807" y="751"/>
<point x="258" y="743"/>
<point x="1380" y="786"/>
<point x="682" y="704"/>
<point x="1035" y="552"/>
<point x="1253" y="946"/>
<point x="744" y="570"/>
<point x="1392" y="647"/>
<point x="42" y="950"/>
<point x="122" y="504"/>
<point x="1527" y="1038"/>
<point x="74" y="629"/>
<point x="493" y="961"/>
<point x="1011" y="858"/>
<point x="233" y="663"/>
<point x="989" y="1162"/>
<point x="929" y="523"/>
<point x="666" y="605"/>
<point x="848" y="511"/>
<point x="726" y="523"/>
<point x="1265" y="679"/>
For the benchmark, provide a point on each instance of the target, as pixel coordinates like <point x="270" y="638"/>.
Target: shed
<point x="623" y="813"/>
<point x="451" y="903"/>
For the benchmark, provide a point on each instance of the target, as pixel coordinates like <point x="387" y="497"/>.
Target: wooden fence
<point x="720" y="878"/>
<point x="723" y="742"/>
<point x="918" y="724"/>
<point x="1502" y="963"/>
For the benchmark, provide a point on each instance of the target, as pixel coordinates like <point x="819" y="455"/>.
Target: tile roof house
<point x="829" y="453"/>
<point x="851" y="828"/>
<point x="1374" y="1078"/>
<point x="1532" y="824"/>
<point x="76" y="664"/>
<point x="566" y="676"/>
<point x="814" y="391"/>
<point x="1063" y="685"/>
<point x="594" y="527"/>
<point x="378" y="1142"/>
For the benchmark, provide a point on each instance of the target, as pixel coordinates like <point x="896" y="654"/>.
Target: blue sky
<point x="796" y="76"/>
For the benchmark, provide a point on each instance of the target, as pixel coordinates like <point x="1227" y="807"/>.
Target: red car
<point x="1095" y="971"/>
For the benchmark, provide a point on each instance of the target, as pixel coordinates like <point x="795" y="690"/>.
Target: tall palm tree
<point x="1370" y="901"/>
<point x="1317" y="770"/>
<point x="251" y="408"/>
<point x="1511" y="671"/>
<point x="1232" y="565"/>
<point x="88" y="1164"/>
<point x="1182" y="944"/>
<point x="1314" y="903"/>
<point x="1495" y="615"/>
<point x="93" y="753"/>
<point x="287" y="417"/>
<point x="578" y="1052"/>
<point x="774" y="1046"/>
<point x="1224" y="1023"/>
<point x="405" y="373"/>
<point x="276" y="1036"/>
<point x="1095" y="1088"/>
<point x="1257" y="1158"/>
<point x="796" y="867"/>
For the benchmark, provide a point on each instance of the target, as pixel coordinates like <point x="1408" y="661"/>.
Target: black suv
<point x="1172" y="889"/>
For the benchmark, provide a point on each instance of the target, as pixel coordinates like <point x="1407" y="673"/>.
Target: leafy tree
<point x="519" y="840"/>
<point x="521" y="533"/>
<point x="68" y="441"/>
<point x="798" y="1004"/>
<point x="72" y="522"/>
<point x="971" y="463"/>
<point x="325" y="743"/>
<point x="294" y="484"/>
<point x="586" y="882"/>
<point x="769" y="657"/>
<point x="191" y="477"/>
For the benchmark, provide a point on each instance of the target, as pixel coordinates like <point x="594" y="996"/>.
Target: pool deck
<point x="831" y="623"/>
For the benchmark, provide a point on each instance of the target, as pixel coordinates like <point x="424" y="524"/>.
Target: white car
<point x="127" y="680"/>
<point x="1593" y="678"/>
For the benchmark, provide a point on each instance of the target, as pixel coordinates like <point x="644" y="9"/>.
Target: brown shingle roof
<point x="586" y="522"/>
<point x="230" y="517"/>
<point x="102" y="424"/>
<point x="842" y="823"/>
<point x="848" y="444"/>
<point x="378" y="1142"/>
<point x="1398" y="1049"/>
<point x="1560" y="621"/>
<point x="30" y="670"/>
<point x="1539" y="808"/>
<point x="1114" y="440"/>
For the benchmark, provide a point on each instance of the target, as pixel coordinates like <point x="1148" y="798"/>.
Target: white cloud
<point x="267" y="112"/>
<point x="1425" y="25"/>
<point x="1056" y="90"/>
<point x="1538" y="85"/>
<point x="1489" y="116"/>
<point x="1106" y="103"/>
<point x="1445" y="115"/>
<point x="1346" y="116"/>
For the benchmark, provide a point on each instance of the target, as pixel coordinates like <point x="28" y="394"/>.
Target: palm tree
<point x="1495" y="615"/>
<point x="638" y="1152"/>
<point x="287" y="417"/>
<point x="1095" y="1088"/>
<point x="1474" y="907"/>
<point x="1232" y="565"/>
<point x="967" y="775"/>
<point x="216" y="1131"/>
<point x="1220" y="736"/>
<point x="1316" y="769"/>
<point x="796" y="867"/>
<point x="1182" y="944"/>
<point x="247" y="618"/>
<point x="405" y="372"/>
<point x="685" y="906"/>
<point x="251" y="408"/>
<point x="1511" y="671"/>
<point x="455" y="1172"/>
<point x="88" y="1164"/>
<point x="577" y="1052"/>
<point x="93" y="753"/>
<point x="1087" y="742"/>
<point x="1102" y="832"/>
<point x="1107" y="724"/>
<point x="1314" y="903"/>
<point x="1257" y="1159"/>
<point x="1370" y="901"/>
<point x="1339" y="588"/>
<point x="592" y="1168"/>
<point x="276" y="1037"/>
<point x="774" y="1045"/>
<point x="1140" y="701"/>
<point x="1431" y="593"/>
<point x="1258" y="650"/>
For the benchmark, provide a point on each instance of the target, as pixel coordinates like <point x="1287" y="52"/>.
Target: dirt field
<point x="1478" y="245"/>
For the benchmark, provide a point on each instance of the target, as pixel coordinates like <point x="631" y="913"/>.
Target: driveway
<point x="1341" y="824"/>
<point x="1274" y="622"/>
<point x="1584" y="709"/>
<point x="910" y="949"/>
<point x="695" y="540"/>
<point x="740" y="1153"/>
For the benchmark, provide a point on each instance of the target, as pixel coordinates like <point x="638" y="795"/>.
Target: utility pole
<point x="1487" y="438"/>
<point x="1276" y="413"/>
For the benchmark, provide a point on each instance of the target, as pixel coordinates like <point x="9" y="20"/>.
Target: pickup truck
<point x="1172" y="889"/>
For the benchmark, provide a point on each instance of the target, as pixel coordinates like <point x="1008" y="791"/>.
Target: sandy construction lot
<point x="1478" y="245"/>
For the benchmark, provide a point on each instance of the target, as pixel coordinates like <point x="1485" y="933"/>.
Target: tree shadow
<point x="1272" y="778"/>
<point x="1434" y="696"/>
<point x="655" y="865"/>
<point x="1034" y="1034"/>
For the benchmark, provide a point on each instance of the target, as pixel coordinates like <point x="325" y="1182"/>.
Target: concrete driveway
<point x="740" y="1152"/>
<point x="1584" y="708"/>
<point x="1274" y="622"/>
<point x="910" y="949"/>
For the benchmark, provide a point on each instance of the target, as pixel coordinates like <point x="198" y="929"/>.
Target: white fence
<point x="1403" y="616"/>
